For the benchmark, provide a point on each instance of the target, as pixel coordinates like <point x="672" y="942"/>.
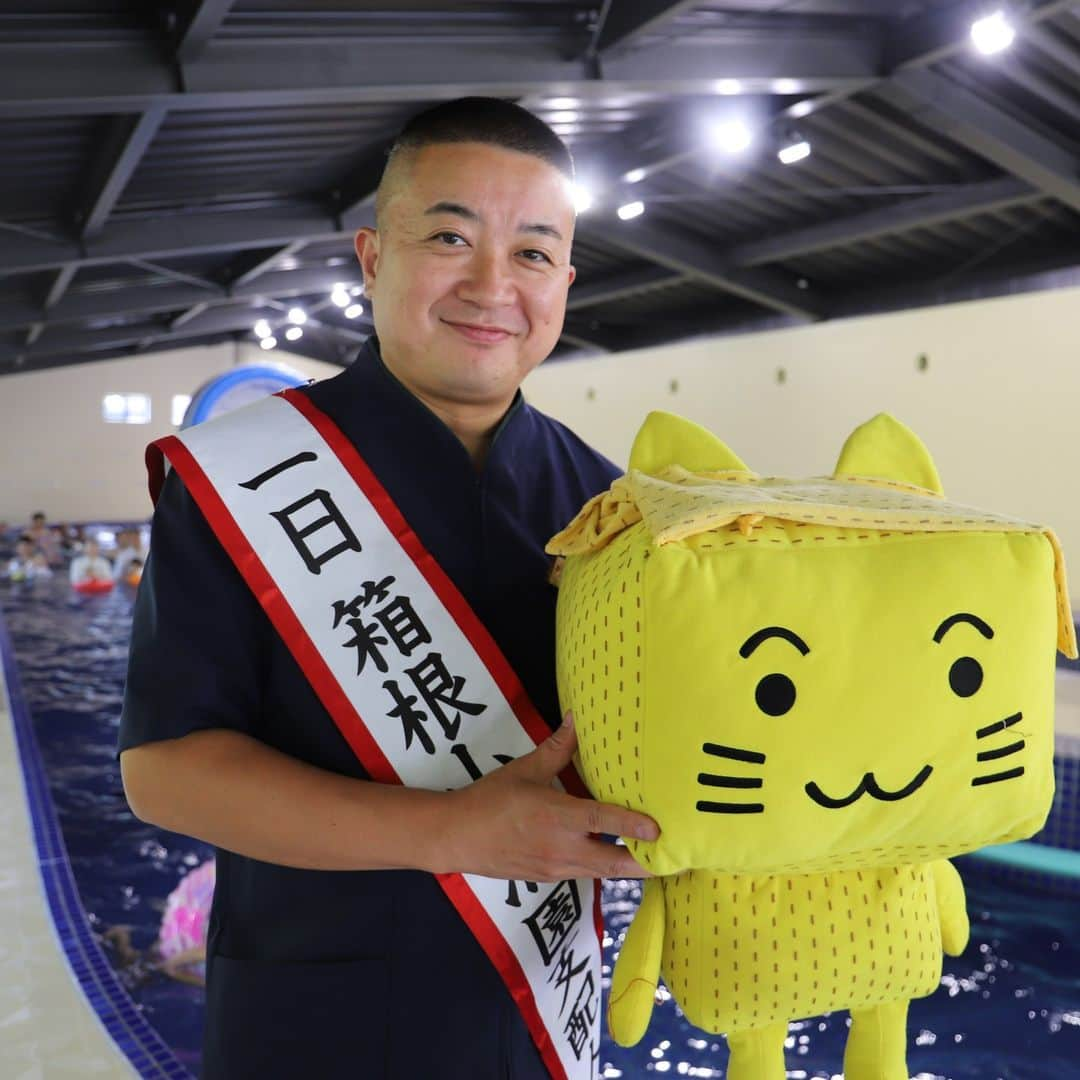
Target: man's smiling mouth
<point x="868" y="786"/>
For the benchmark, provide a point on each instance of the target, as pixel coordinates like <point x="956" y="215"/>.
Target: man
<point x="371" y="971"/>
<point x="90" y="566"/>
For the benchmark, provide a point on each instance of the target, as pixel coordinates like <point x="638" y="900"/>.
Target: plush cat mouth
<point x="868" y="786"/>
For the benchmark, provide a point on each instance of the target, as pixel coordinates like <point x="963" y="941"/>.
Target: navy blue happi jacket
<point x="366" y="974"/>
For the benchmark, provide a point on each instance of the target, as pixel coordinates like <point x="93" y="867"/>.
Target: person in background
<point x="26" y="563"/>
<point x="45" y="539"/>
<point x="71" y="540"/>
<point x="128" y="550"/>
<point x="91" y="565"/>
<point x="134" y="572"/>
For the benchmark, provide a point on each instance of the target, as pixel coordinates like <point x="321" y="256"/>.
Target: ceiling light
<point x="992" y="33"/>
<point x="357" y="290"/>
<point x="801" y="108"/>
<point x="353" y="310"/>
<point x="262" y="329"/>
<point x="564" y="116"/>
<point x="732" y="136"/>
<point x="794" y="149"/>
<point x="582" y="196"/>
<point x="298" y="316"/>
<point x="634" y="176"/>
<point x="562" y="103"/>
<point x="268" y="342"/>
<point x="728" y="86"/>
<point x="294" y="333"/>
<point x="786" y="86"/>
<point x="340" y="295"/>
<point x="631" y="210"/>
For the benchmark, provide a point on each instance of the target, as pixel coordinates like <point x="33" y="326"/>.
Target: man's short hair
<point x="477" y="119"/>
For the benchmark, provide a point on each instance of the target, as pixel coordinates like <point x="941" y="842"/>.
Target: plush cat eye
<point x="965" y="676"/>
<point x="775" y="694"/>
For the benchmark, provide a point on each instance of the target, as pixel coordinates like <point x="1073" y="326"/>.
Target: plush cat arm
<point x="637" y="971"/>
<point x="952" y="907"/>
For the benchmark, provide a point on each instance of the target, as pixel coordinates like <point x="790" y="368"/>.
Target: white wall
<point x="998" y="406"/>
<point x="58" y="455"/>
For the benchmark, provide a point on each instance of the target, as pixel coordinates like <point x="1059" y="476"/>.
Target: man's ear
<point x="573" y="274"/>
<point x="366" y="243"/>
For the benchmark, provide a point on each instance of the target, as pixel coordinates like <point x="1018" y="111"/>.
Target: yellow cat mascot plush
<point x="820" y="690"/>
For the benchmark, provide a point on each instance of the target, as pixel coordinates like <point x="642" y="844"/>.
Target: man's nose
<point x="488" y="281"/>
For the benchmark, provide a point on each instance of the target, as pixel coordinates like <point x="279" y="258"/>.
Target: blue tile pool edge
<point x="140" y="1043"/>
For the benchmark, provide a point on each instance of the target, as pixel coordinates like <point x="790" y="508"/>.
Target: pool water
<point x="1008" y="1009"/>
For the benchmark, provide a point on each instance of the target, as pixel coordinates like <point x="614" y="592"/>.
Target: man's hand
<point x="513" y="824"/>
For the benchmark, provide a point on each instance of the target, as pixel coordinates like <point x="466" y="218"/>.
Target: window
<point x="126" y="408"/>
<point x="180" y="402"/>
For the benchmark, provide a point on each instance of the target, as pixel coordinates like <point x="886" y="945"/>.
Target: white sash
<point x="410" y="676"/>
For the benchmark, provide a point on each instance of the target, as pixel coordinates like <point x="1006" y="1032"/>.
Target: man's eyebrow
<point x="452" y="208"/>
<point x="444" y="207"/>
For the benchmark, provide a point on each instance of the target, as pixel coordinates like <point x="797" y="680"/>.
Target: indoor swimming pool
<point x="1008" y="1008"/>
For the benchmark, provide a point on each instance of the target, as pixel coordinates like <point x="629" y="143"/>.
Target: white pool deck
<point x="48" y="1029"/>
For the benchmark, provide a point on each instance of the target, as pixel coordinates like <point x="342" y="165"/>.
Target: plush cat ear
<point x="666" y="439"/>
<point x="886" y="449"/>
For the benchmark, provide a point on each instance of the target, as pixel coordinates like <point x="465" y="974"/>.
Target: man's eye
<point x="452" y="236"/>
<point x="533" y="251"/>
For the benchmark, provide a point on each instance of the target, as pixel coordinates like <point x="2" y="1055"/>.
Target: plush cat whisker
<point x="734" y="753"/>
<point x="995" y="778"/>
<point x="1000" y="752"/>
<point x="730" y="808"/>
<point x="716" y="780"/>
<point x="999" y="725"/>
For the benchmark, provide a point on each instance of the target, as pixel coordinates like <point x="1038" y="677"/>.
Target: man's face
<point x="469" y="272"/>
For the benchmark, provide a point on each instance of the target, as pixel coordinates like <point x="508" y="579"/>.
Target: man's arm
<point x="230" y="790"/>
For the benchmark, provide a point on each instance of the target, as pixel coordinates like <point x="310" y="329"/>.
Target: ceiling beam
<point x="73" y="341"/>
<point x="626" y="23"/>
<point x="64" y="276"/>
<point x="328" y="352"/>
<point x="119" y="157"/>
<point x="945" y="30"/>
<point x="968" y="119"/>
<point x="619" y="286"/>
<point x="204" y="23"/>
<point x="1052" y="270"/>
<point x="56" y="292"/>
<point x="696" y="257"/>
<point x="245" y="74"/>
<point x="171" y="236"/>
<point x="965" y="201"/>
<point x="263" y="263"/>
<point x="150" y="299"/>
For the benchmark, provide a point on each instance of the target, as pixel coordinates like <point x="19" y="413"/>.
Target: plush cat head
<point x="796" y="676"/>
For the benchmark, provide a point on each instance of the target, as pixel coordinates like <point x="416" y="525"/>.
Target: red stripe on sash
<point x="279" y="610"/>
<point x="506" y="964"/>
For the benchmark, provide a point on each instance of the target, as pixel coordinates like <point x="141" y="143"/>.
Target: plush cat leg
<point x="877" y="1043"/>
<point x="952" y="907"/>
<point x="637" y="971"/>
<point x="758" y="1054"/>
